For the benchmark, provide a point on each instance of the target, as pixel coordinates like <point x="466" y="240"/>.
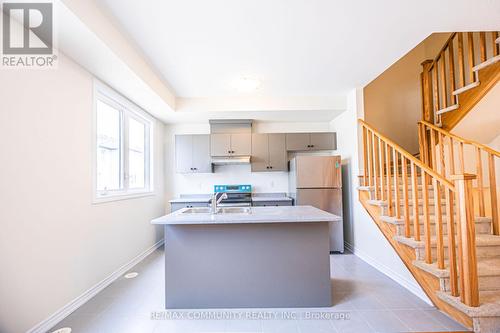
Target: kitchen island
<point x="247" y="257"/>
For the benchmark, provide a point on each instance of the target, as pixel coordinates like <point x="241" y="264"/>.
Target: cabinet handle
<point x="270" y="167"/>
<point x="312" y="146"/>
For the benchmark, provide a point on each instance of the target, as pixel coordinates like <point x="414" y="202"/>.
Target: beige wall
<point x="55" y="244"/>
<point x="393" y="102"/>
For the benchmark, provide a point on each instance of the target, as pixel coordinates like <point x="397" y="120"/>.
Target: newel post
<point x="426" y="80"/>
<point x="466" y="232"/>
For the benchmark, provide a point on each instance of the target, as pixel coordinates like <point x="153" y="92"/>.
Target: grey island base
<point x="270" y="257"/>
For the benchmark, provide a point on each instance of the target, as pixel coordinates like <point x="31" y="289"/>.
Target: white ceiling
<point x="296" y="48"/>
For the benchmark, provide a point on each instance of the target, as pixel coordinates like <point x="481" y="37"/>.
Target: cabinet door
<point x="277" y="152"/>
<point x="241" y="144"/>
<point x="183" y="153"/>
<point x="297" y="141"/>
<point x="323" y="141"/>
<point x="260" y="152"/>
<point x="201" y="153"/>
<point x="220" y="144"/>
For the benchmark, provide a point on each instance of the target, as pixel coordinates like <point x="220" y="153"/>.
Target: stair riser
<point x="481" y="228"/>
<point x="481" y="252"/>
<point x="420" y="195"/>
<point x="486" y="283"/>
<point x="385" y="209"/>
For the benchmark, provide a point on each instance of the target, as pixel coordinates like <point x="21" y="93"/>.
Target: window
<point x="123" y="132"/>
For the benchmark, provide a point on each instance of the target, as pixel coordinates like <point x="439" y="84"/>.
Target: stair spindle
<point x="493" y="194"/>
<point x="381" y="166"/>
<point x="375" y="167"/>
<point x="451" y="71"/>
<point x="452" y="255"/>
<point x="414" y="180"/>
<point x="438" y="219"/>
<point x="395" y="158"/>
<point x="427" y="224"/>
<point x="470" y="52"/>
<point x="406" y="207"/>
<point x="482" y="45"/>
<point x="388" y="179"/>
<point x="365" y="157"/>
<point x="460" y="56"/>
<point x="370" y="158"/>
<point x="494" y="45"/>
<point x="479" y="173"/>
<point x="442" y="82"/>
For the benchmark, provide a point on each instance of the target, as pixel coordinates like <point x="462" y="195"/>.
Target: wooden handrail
<point x="410" y="157"/>
<point x="461" y="139"/>
<point x="382" y="160"/>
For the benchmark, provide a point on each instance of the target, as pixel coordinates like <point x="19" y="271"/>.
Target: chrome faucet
<point x="215" y="202"/>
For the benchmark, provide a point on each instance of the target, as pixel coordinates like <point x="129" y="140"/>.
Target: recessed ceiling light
<point x="247" y="84"/>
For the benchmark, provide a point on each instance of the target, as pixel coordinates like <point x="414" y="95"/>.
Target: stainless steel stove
<point x="237" y="195"/>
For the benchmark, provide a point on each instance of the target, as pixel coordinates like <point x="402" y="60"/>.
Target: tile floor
<point x="365" y="301"/>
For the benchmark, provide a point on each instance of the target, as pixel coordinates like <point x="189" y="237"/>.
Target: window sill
<point x="118" y="197"/>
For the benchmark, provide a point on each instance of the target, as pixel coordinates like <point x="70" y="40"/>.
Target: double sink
<point x="222" y="210"/>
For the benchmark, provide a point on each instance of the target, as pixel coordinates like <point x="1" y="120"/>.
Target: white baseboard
<point x="412" y="286"/>
<point x="69" y="308"/>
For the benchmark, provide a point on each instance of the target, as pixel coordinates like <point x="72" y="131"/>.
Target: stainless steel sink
<point x="197" y="210"/>
<point x="235" y="210"/>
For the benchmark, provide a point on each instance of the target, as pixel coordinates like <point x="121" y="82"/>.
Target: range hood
<point x="229" y="127"/>
<point x="230" y="160"/>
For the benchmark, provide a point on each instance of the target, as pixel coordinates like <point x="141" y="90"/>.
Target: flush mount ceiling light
<point x="247" y="84"/>
<point x="131" y="275"/>
<point x="63" y="330"/>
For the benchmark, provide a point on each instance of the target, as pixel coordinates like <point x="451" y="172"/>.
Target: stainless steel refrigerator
<point x="317" y="181"/>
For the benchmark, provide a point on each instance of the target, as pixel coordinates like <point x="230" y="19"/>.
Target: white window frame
<point x="128" y="110"/>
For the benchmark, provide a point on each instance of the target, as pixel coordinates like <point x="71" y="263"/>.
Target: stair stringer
<point x="429" y="283"/>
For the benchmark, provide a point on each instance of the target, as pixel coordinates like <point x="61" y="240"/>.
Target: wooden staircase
<point x="425" y="209"/>
<point x="465" y="69"/>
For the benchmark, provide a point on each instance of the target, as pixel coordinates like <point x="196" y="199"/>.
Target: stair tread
<point x="465" y="88"/>
<point x="481" y="240"/>
<point x="489" y="304"/>
<point x="401" y="221"/>
<point x="486" y="63"/>
<point x="448" y="109"/>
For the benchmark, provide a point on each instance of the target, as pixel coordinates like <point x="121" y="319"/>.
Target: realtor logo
<point x="28" y="34"/>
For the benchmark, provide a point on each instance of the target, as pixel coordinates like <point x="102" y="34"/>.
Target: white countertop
<point x="280" y="214"/>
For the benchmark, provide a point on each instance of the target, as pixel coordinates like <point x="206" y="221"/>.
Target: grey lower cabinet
<point x="192" y="153"/>
<point x="235" y="144"/>
<point x="311" y="141"/>
<point x="272" y="203"/>
<point x="269" y="152"/>
<point x="179" y="205"/>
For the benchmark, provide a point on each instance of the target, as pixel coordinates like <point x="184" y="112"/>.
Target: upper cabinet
<point x="234" y="144"/>
<point x="269" y="152"/>
<point x="311" y="141"/>
<point x="192" y="154"/>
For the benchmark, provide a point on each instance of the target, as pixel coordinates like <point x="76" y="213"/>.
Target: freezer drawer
<point x="329" y="200"/>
